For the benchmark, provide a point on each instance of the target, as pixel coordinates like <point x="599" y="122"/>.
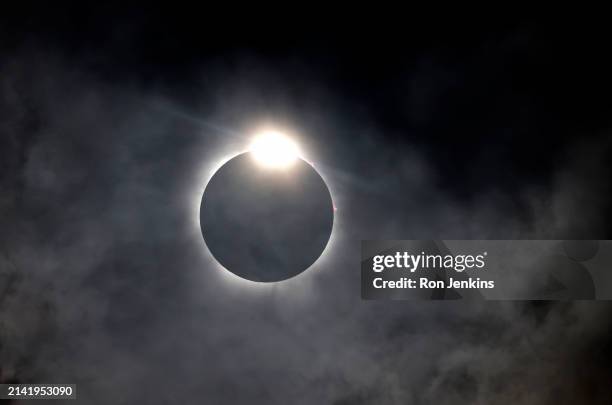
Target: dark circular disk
<point x="266" y="224"/>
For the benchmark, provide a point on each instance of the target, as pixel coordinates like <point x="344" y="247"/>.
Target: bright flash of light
<point x="274" y="150"/>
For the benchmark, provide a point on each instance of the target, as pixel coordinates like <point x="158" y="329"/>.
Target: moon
<point x="266" y="223"/>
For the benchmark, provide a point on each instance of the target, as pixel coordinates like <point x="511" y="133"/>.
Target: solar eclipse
<point x="266" y="215"/>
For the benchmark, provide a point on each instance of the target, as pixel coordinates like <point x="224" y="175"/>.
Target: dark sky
<point x="423" y="128"/>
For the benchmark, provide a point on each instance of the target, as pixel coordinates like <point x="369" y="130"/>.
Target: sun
<point x="274" y="150"/>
